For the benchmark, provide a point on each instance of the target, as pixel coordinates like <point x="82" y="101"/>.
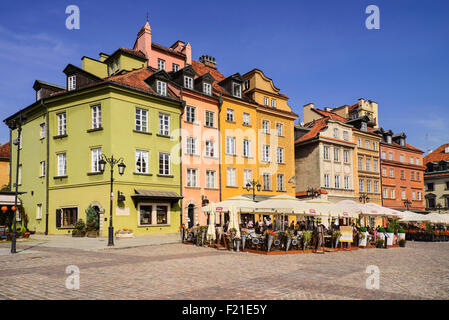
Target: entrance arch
<point x="191" y="215"/>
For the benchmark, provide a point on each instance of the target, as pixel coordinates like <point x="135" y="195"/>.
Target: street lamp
<point x="314" y="193"/>
<point x="253" y="185"/>
<point x="364" y="198"/>
<point x="121" y="169"/>
<point x="438" y="206"/>
<point x="407" y="203"/>
<point x="16" y="124"/>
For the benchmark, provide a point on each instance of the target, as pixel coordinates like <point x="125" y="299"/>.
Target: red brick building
<point x="402" y="173"/>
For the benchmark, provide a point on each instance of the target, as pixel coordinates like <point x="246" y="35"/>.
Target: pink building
<point x="199" y="123"/>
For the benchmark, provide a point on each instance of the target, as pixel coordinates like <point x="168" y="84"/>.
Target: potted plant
<point x="401" y="234"/>
<point x="80" y="228"/>
<point x="379" y="243"/>
<point x="270" y="237"/>
<point x="363" y="237"/>
<point x="237" y="244"/>
<point x="336" y="237"/>
<point x="288" y="241"/>
<point x="244" y="234"/>
<point x="92" y="222"/>
<point x="402" y="243"/>
<point x="381" y="233"/>
<point x="390" y="235"/>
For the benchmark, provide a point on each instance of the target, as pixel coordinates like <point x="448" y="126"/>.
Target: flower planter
<point x="237" y="245"/>
<point x="390" y="236"/>
<point x="203" y="235"/>
<point x="362" y="242"/>
<point x="243" y="241"/>
<point x="125" y="234"/>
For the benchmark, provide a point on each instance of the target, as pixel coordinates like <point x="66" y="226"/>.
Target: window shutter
<point x="58" y="218"/>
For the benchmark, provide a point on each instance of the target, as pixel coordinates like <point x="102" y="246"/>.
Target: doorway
<point x="190" y="215"/>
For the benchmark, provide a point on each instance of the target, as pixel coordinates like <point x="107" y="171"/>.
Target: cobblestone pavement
<point x="176" y="271"/>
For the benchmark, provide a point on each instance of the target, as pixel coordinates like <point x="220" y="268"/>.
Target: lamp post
<point x="253" y="185"/>
<point x="16" y="124"/>
<point x="314" y="193"/>
<point x="121" y="169"/>
<point x="407" y="203"/>
<point x="438" y="206"/>
<point x="364" y="198"/>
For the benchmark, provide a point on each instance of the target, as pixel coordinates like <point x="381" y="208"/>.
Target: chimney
<point x="103" y="56"/>
<point x="309" y="115"/>
<point x="143" y="42"/>
<point x="187" y="50"/>
<point x="328" y="109"/>
<point x="208" y="61"/>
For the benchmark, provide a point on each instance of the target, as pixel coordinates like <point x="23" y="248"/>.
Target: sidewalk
<point x="94" y="244"/>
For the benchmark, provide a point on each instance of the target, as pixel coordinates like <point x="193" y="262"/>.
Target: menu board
<point x="346" y="234"/>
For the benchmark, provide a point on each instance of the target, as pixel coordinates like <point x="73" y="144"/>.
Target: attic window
<point x="402" y="142"/>
<point x="160" y="64"/>
<point x="246" y="84"/>
<point x="237" y="90"/>
<point x="175" y="67"/>
<point x="207" y="88"/>
<point x="162" y="88"/>
<point x="365" y="127"/>
<point x="38" y="94"/>
<point x="71" y="83"/>
<point x="188" y="82"/>
<point x="446" y="150"/>
<point x="389" y="139"/>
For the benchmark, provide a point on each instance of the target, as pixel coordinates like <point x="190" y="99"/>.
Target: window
<point x="96" y="116"/>
<point x="20" y="175"/>
<point x="61" y="124"/>
<point x="337" y="182"/>
<point x="418" y="176"/>
<point x="141" y="161"/>
<point x="419" y="195"/>
<point x="160" y="64"/>
<point x="246" y="84"/>
<point x="390" y="156"/>
<point x="188" y="82"/>
<point x="412" y="160"/>
<point x="336" y="154"/>
<point x="267" y="181"/>
<point x="430" y="187"/>
<point x="175" y="67"/>
<point x="246" y="148"/>
<point x="207" y="88"/>
<point x="230" y="177"/>
<point x="145" y="214"/>
<point x="42" y="169"/>
<point x="141" y="120"/>
<point x="368" y="164"/>
<point x="412" y="175"/>
<point x="391" y="173"/>
<point x="273" y="103"/>
<point x="280" y="182"/>
<point x="266" y="153"/>
<point x="265" y="126"/>
<point x="192" y="177"/>
<point x="385" y="193"/>
<point x="69" y="217"/>
<point x="368" y="186"/>
<point x="389" y="139"/>
<point x="326" y="181"/>
<point x="164" y="124"/>
<point x="359" y="142"/>
<point x="210" y="148"/>
<point x="246" y="119"/>
<point x="345" y="136"/>
<point x="393" y="194"/>
<point x="346" y="156"/>
<point x="39" y="211"/>
<point x="364" y="126"/>
<point x="62" y="165"/>
<point x="384" y="155"/>
<point x="265" y="101"/>
<point x="374" y="146"/>
<point x="164" y="163"/>
<point x="401" y="158"/>
<point x="190" y="114"/>
<point x="71" y="83"/>
<point x="367" y="144"/>
<point x="376" y="186"/>
<point x="326" y="153"/>
<point x="210" y="119"/>
<point x="279" y="129"/>
<point x="335" y="133"/>
<point x="210" y="179"/>
<point x="230" y="145"/>
<point x="230" y="115"/>
<point x="191" y="145"/>
<point x="237" y="90"/>
<point x="375" y="165"/>
<point x="280" y="155"/>
<point x="38" y="94"/>
<point x="361" y="185"/>
<point x="347" y="185"/>
<point x="95" y="158"/>
<point x="417" y="161"/>
<point x="384" y="172"/>
<point x="403" y="194"/>
<point x="42" y="132"/>
<point x="162" y="214"/>
<point x="413" y="195"/>
<point x="360" y="163"/>
<point x="162" y="88"/>
<point x="247" y="176"/>
<point x="402" y="175"/>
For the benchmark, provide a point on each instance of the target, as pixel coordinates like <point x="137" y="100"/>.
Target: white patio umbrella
<point x="233" y="221"/>
<point x="409" y="216"/>
<point x="438" y="218"/>
<point x="211" y="226"/>
<point x="243" y="205"/>
<point x="373" y="209"/>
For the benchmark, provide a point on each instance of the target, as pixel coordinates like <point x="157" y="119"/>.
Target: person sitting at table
<point x="250" y="224"/>
<point x="292" y="225"/>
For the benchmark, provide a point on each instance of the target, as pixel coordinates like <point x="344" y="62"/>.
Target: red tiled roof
<point x="5" y="150"/>
<point x="318" y="126"/>
<point x="134" y="52"/>
<point x="331" y="115"/>
<point x="304" y="193"/>
<point x="168" y="50"/>
<point x="354" y="106"/>
<point x="134" y="78"/>
<point x="202" y="69"/>
<point x="437" y="155"/>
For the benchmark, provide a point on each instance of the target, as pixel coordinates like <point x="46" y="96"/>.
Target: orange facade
<point x="402" y="174"/>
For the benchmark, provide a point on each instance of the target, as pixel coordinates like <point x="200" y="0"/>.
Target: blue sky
<point x="315" y="51"/>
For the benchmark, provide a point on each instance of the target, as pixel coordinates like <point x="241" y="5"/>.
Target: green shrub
<point x="362" y="229"/>
<point x="91" y="218"/>
<point x="390" y="230"/>
<point x="80" y="225"/>
<point x="381" y="230"/>
<point x="401" y="230"/>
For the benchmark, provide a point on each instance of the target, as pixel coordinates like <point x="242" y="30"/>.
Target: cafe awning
<point x="143" y="195"/>
<point x="7" y="199"/>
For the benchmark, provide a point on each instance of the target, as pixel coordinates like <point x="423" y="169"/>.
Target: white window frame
<point x="42" y="132"/>
<point x="246" y="148"/>
<point x="160" y="64"/>
<point x="230" y="146"/>
<point x="96" y="116"/>
<point x="39" y="211"/>
<point x="237" y="90"/>
<point x="246" y="119"/>
<point x="326" y="150"/>
<point x="337" y="181"/>
<point x="161" y="87"/>
<point x="210" y="148"/>
<point x="230" y="115"/>
<point x="231" y="177"/>
<point x="62" y="164"/>
<point x="190" y="114"/>
<point x="71" y="83"/>
<point x="164" y="124"/>
<point x="192" y="178"/>
<point x="142" y="117"/>
<point x="191" y="146"/>
<point x="327" y="181"/>
<point x="266" y="178"/>
<point x="266" y="126"/>
<point x="266" y="153"/>
<point x="42" y="169"/>
<point x="62" y="123"/>
<point x="95" y="159"/>
<point x="188" y="82"/>
<point x="207" y="88"/>
<point x="347" y="183"/>
<point x="279" y="129"/>
<point x="280" y="179"/>
<point x="273" y="103"/>
<point x="209" y="118"/>
<point x="280" y="155"/>
<point x="143" y="156"/>
<point x="210" y="179"/>
<point x="154" y="206"/>
<point x="247" y="176"/>
<point x="265" y="101"/>
<point x="165" y="169"/>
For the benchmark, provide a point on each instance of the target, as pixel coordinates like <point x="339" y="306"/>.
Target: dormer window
<point x="402" y="142"/>
<point x="364" y="126"/>
<point x="188" y="82"/>
<point x="446" y="150"/>
<point x="246" y="83"/>
<point x="71" y="82"/>
<point x="237" y="90"/>
<point x="389" y="139"/>
<point x="207" y="88"/>
<point x="38" y="94"/>
<point x="162" y="88"/>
